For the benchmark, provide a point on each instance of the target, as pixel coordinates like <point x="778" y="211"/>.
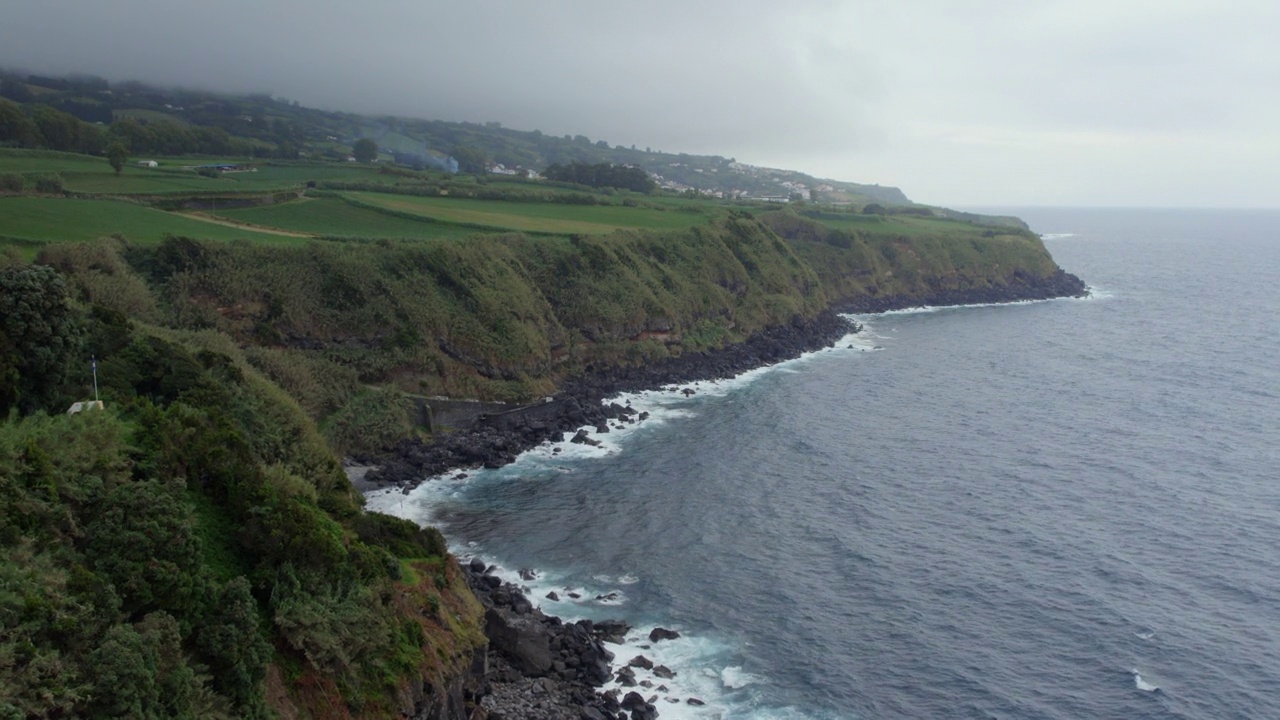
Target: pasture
<point x="550" y="218"/>
<point x="38" y="220"/>
<point x="335" y="217"/>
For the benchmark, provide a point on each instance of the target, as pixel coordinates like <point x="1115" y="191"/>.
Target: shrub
<point x="12" y="183"/>
<point x="49" y="184"/>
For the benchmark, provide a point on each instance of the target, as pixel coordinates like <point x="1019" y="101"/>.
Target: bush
<point x="49" y="184"/>
<point x="372" y="421"/>
<point x="12" y="183"/>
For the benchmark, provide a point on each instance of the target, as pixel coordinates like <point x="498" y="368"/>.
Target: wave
<point x="1056" y="236"/>
<point x="1141" y="684"/>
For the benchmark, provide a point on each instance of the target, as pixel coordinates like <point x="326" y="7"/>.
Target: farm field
<point x="332" y="216"/>
<point x="555" y="218"/>
<point x="92" y="175"/>
<point x="42" y="220"/>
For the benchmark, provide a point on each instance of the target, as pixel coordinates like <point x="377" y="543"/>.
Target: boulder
<point x="553" y="597"/>
<point x="659" y="633"/>
<point x="664" y="672"/>
<point x="641" y="661"/>
<point x="521" y="639"/>
<point x="614" y="631"/>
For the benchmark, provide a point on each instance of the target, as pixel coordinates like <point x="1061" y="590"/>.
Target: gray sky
<point x="984" y="102"/>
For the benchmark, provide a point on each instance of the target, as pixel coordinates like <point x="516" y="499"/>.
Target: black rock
<point x="521" y="639"/>
<point x="664" y="672"/>
<point x="632" y="700"/>
<point x="553" y="597"/>
<point x="614" y="631"/>
<point x="694" y="701"/>
<point x="662" y="634"/>
<point x="477" y="566"/>
<point x="641" y="661"/>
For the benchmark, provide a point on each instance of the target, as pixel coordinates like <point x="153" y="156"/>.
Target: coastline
<point x="496" y="440"/>
<point x="518" y="679"/>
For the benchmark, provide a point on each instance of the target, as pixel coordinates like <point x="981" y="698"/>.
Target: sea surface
<point x="1060" y="509"/>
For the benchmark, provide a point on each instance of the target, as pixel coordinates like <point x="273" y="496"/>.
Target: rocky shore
<point x="496" y="441"/>
<point x="538" y="667"/>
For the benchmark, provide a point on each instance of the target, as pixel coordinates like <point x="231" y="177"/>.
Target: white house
<point x="148" y="163"/>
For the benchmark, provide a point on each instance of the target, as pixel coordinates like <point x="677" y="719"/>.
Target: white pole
<point x="95" y="377"/>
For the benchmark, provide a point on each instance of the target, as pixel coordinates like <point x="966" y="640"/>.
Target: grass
<point x="905" y="225"/>
<point x="332" y="216"/>
<point x="44" y="219"/>
<point x="553" y="218"/>
<point x="92" y="175"/>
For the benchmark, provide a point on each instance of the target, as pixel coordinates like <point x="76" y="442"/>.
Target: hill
<point x="166" y="121"/>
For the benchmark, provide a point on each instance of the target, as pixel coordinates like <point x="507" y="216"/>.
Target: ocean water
<point x="1060" y="509"/>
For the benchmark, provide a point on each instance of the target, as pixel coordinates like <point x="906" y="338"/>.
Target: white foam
<point x="1141" y="684"/>
<point x="1056" y="236"/>
<point x="735" y="677"/>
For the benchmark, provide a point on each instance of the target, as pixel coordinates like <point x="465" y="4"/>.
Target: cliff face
<point x="512" y="317"/>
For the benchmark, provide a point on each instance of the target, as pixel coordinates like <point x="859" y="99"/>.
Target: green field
<point x="332" y="216"/>
<point x="905" y="225"/>
<point x="534" y="217"/>
<point x="92" y="175"/>
<point x="43" y="220"/>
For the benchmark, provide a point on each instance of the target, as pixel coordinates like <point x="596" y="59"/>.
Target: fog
<point x="959" y="103"/>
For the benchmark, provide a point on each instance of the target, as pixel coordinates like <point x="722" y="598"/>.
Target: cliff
<point x="200" y="533"/>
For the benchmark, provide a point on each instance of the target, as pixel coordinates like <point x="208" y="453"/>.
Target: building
<point x="148" y="163"/>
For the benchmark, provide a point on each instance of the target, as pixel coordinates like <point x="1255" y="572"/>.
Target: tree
<point x="873" y="209"/>
<point x="470" y="158"/>
<point x="365" y="150"/>
<point x="15" y="127"/>
<point x="117" y="154"/>
<point x="40" y="337"/>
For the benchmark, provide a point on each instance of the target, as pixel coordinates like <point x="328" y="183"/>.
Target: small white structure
<point x="83" y="406"/>
<point x="148" y="163"/>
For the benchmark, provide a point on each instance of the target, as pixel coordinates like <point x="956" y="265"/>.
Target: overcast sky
<point x="983" y="102"/>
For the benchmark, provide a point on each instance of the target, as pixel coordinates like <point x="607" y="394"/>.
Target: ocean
<point x="1057" y="509"/>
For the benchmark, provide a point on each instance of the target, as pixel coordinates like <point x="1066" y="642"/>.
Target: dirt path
<point x="205" y="217"/>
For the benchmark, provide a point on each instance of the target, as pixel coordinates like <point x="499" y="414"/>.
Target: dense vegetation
<point x="194" y="542"/>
